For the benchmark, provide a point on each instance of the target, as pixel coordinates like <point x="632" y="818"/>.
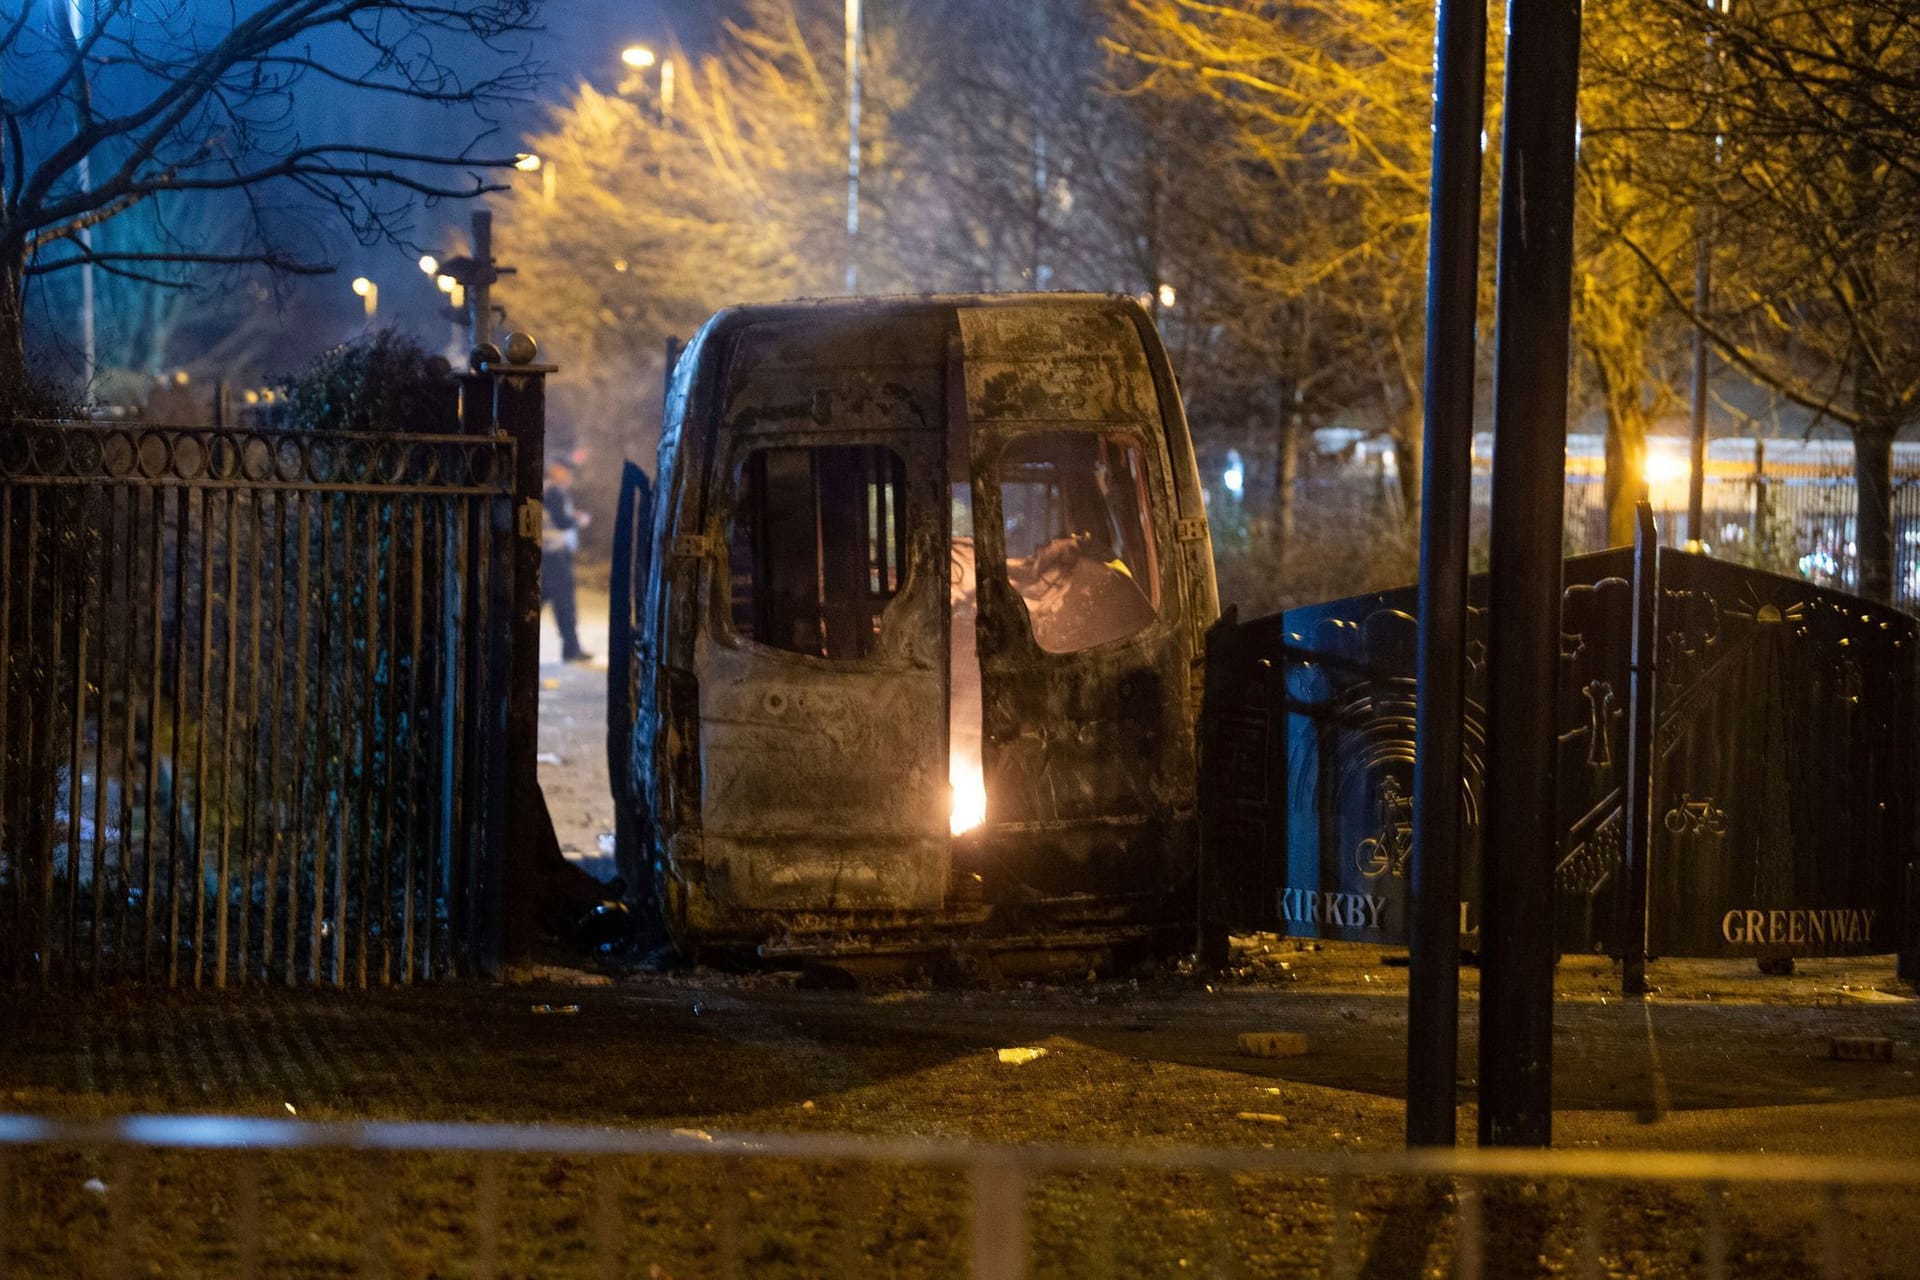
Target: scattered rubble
<point x="1273" y="1044"/>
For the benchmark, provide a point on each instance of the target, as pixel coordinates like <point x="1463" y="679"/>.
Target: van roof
<point x="748" y="312"/>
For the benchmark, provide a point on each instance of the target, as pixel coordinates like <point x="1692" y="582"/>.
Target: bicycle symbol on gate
<point x="1389" y="849"/>
<point x="1692" y="817"/>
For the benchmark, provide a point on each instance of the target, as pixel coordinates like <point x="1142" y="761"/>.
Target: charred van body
<point x="918" y="657"/>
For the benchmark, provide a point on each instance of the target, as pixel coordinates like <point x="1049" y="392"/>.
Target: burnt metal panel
<point x="823" y="782"/>
<point x="1088" y="755"/>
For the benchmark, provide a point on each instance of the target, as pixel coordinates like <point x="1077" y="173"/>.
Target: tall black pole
<point x="1697" y="452"/>
<point x="1523" y="649"/>
<point x="1453" y="269"/>
<point x="1639" y="816"/>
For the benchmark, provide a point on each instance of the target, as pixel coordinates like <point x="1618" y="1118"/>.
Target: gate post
<point x="1639" y="797"/>
<point x="528" y="841"/>
<point x="1907" y="963"/>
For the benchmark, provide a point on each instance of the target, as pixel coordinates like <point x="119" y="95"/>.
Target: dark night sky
<point x="581" y="40"/>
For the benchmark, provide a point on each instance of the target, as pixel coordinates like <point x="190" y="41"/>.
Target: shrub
<point x="384" y="382"/>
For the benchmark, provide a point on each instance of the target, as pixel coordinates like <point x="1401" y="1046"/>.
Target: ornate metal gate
<point x="1782" y="780"/>
<point x="250" y="703"/>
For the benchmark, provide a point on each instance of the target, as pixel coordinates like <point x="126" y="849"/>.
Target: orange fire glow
<point x="969" y="792"/>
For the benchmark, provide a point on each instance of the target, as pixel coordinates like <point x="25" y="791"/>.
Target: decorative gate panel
<point x="246" y="714"/>
<point x="1784" y="769"/>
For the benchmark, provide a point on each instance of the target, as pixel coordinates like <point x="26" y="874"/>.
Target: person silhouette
<point x="559" y="540"/>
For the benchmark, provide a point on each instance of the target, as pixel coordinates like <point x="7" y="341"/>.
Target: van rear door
<point x="822" y="647"/>
<point x="1083" y="637"/>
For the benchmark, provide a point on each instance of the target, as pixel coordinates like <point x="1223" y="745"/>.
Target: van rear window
<point x="818" y="547"/>
<point x="1079" y="536"/>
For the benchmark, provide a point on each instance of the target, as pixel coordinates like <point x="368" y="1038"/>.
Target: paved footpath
<point x="573" y="732"/>
<point x="1721" y="1059"/>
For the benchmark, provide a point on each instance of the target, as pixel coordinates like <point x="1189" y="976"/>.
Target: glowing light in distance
<point x="362" y="286"/>
<point x="1235" y="476"/>
<point x="1665" y="468"/>
<point x="1167" y="295"/>
<point x="429" y="264"/>
<point x="446" y="283"/>
<point x="637" y="56"/>
<point x="969" y="793"/>
<point x="527" y="162"/>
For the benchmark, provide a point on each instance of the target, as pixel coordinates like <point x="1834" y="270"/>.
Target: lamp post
<point x="89" y="353"/>
<point x="640" y="58"/>
<point x="527" y="162"/>
<point x="369" y="294"/>
<point x="853" y="146"/>
<point x="468" y="279"/>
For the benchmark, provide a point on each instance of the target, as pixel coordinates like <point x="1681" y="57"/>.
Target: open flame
<point x="969" y="792"/>
<point x="964" y="774"/>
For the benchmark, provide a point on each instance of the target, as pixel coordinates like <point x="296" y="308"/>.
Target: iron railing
<point x="232" y="1196"/>
<point x="1793" y="518"/>
<point x="245" y="702"/>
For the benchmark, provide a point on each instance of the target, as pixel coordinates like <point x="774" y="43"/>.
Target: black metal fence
<point x="248" y="703"/>
<point x="1793" y="514"/>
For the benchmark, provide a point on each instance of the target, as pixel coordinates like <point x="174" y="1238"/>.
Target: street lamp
<point x="429" y="265"/>
<point x="639" y="58"/>
<point x="369" y="293"/>
<point x="853" y="145"/>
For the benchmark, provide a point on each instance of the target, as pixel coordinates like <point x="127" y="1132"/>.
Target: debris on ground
<point x="1018" y="1057"/>
<point x="1273" y="1044"/>
<point x="1260" y="1117"/>
<point x="1861" y="1048"/>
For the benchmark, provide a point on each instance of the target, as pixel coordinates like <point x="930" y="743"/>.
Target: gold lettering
<point x="1776" y="925"/>
<point x="1730" y="927"/>
<point x="1817" y="927"/>
<point x="1796" y="926"/>
<point x="1756" y="923"/>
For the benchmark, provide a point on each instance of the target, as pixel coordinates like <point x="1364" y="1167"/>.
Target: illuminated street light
<point x="447" y="284"/>
<point x="369" y="292"/>
<point x="1167" y="295"/>
<point x="1235" y="475"/>
<point x="527" y="162"/>
<point x="1665" y="468"/>
<point x="638" y="59"/>
<point x="429" y="264"/>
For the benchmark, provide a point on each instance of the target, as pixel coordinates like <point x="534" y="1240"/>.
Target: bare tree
<point x="142" y="103"/>
<point x="649" y="214"/>
<point x="1323" y="112"/>
<point x="1800" y="143"/>
<point x="1622" y="323"/>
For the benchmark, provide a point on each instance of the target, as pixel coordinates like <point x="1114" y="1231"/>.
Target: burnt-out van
<point x="917" y="657"/>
